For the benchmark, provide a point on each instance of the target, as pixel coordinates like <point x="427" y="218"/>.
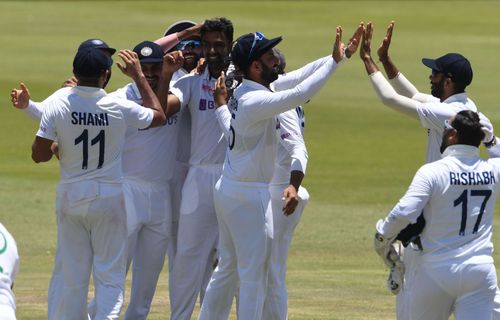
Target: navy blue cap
<point x="455" y="65"/>
<point x="91" y="62"/>
<point x="250" y="47"/>
<point x="96" y="43"/>
<point x="149" y="52"/>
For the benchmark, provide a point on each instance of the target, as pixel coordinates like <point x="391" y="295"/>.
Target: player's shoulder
<point x="116" y="102"/>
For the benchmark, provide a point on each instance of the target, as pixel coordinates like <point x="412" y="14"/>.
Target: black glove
<point x="412" y="232"/>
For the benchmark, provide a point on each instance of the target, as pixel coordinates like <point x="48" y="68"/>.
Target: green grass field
<point x="362" y="156"/>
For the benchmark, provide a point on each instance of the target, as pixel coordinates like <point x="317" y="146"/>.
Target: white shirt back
<point x="457" y="194"/>
<point x="208" y="145"/>
<point x="90" y="130"/>
<point x="9" y="266"/>
<point x="148" y="154"/>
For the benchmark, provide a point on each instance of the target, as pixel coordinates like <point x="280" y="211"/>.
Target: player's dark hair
<point x="468" y="127"/>
<point x="218" y="25"/>
<point x="459" y="86"/>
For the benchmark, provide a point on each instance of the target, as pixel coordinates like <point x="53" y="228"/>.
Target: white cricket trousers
<point x="466" y="290"/>
<point x="276" y="303"/>
<point x="196" y="241"/>
<point x="176" y="184"/>
<point x="7" y="313"/>
<point x="93" y="239"/>
<point x="245" y="227"/>
<point x="404" y="299"/>
<point x="55" y="301"/>
<point x="149" y="226"/>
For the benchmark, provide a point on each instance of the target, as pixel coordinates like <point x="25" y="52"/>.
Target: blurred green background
<point x="362" y="156"/>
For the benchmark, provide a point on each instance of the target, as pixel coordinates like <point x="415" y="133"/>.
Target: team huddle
<point x="201" y="158"/>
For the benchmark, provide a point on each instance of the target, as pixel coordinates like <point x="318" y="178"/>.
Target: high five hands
<point x="340" y="49"/>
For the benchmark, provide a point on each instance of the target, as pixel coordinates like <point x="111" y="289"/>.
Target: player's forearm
<point x="167" y="42"/>
<point x="162" y="91"/>
<point x="390" y="68"/>
<point x="265" y="106"/>
<point x="34" y="110"/>
<point x="224" y="118"/>
<point x="370" y="66"/>
<point x="390" y="97"/>
<point x="293" y="78"/>
<point x="296" y="178"/>
<point x="40" y="150"/>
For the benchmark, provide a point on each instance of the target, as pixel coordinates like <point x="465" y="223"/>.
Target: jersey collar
<point x="460" y="150"/>
<point x="459" y="97"/>
<point x="89" y="91"/>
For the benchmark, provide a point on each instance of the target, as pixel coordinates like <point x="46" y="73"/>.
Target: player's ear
<point x="256" y="64"/>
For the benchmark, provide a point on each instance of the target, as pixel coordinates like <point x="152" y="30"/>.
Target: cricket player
<point x="198" y="229"/>
<point x="147" y="163"/>
<point x="290" y="149"/>
<point x="21" y="99"/>
<point x="242" y="197"/>
<point x="90" y="130"/>
<point x="151" y="224"/>
<point x="450" y="75"/>
<point x="191" y="51"/>
<point x="9" y="267"/>
<point x="457" y="194"/>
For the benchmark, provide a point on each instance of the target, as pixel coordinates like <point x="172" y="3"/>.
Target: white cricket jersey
<point x="432" y="116"/>
<point x="457" y="195"/>
<point x="148" y="154"/>
<point x="252" y="142"/>
<point x="90" y="129"/>
<point x="9" y="267"/>
<point x="291" y="153"/>
<point x="184" y="125"/>
<point x="208" y="145"/>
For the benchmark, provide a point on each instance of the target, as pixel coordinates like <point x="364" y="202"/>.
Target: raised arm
<point x="383" y="88"/>
<point x="169" y="41"/>
<point x="171" y="63"/>
<point x="397" y="80"/>
<point x="21" y="100"/>
<point x="132" y="68"/>
<point x="222" y="113"/>
<point x="293" y="78"/>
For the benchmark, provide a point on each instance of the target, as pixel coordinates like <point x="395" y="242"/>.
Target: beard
<point x="443" y="147"/>
<point x="269" y="74"/>
<point x="437" y="89"/>
<point x="444" y="142"/>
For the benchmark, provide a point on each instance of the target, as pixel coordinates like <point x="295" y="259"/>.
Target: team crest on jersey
<point x="146" y="51"/>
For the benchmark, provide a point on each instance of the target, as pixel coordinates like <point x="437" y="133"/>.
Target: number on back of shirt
<point x="463" y="199"/>
<point x="84" y="139"/>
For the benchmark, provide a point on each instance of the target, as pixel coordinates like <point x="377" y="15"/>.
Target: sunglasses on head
<point x="188" y="44"/>
<point x="257" y="36"/>
<point x="448" y="126"/>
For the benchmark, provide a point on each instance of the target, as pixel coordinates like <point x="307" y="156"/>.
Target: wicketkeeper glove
<point x="487" y="128"/>
<point x="396" y="277"/>
<point x="384" y="248"/>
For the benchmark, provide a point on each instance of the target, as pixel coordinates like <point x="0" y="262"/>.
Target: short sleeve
<point x="136" y="115"/>
<point x="47" y="128"/>
<point x="182" y="90"/>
